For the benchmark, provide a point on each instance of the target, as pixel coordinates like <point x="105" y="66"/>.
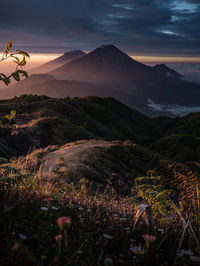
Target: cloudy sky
<point x="144" y="27"/>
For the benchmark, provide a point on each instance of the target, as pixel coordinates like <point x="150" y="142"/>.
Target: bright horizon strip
<point x="37" y="59"/>
<point x="143" y="58"/>
<point x="170" y="59"/>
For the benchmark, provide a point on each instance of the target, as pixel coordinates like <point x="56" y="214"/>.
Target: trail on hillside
<point x="70" y="155"/>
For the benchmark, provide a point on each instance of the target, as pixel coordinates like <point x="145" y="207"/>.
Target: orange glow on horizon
<point x="37" y="59"/>
<point x="164" y="59"/>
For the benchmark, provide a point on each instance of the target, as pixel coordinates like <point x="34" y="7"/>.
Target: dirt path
<point x="70" y="155"/>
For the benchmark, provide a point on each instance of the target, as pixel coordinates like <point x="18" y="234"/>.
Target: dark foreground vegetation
<point x="127" y="185"/>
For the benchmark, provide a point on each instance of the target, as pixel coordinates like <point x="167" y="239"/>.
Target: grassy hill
<point x="179" y="139"/>
<point x="43" y="121"/>
<point x="87" y="162"/>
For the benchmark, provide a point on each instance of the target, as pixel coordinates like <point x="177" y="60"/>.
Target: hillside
<point x="43" y="121"/>
<point x="180" y="139"/>
<point x="44" y="84"/>
<point x="93" y="162"/>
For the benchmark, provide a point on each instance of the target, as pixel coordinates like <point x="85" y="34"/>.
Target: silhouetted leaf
<point x="16" y="76"/>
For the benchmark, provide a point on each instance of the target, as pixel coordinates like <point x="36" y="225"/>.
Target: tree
<point x="19" y="59"/>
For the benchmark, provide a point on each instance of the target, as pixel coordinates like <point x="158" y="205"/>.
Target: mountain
<point x="107" y="71"/>
<point x="45" y="84"/>
<point x="109" y="66"/>
<point x="105" y="65"/>
<point x="162" y="68"/>
<point x="58" y="62"/>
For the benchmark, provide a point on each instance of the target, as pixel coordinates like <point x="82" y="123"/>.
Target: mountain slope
<point x="106" y="64"/>
<point x="42" y="121"/>
<point x="109" y="66"/>
<point x="58" y="62"/>
<point x="45" y="84"/>
<point x="180" y="139"/>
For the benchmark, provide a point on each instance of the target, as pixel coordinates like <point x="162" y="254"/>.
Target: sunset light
<point x="100" y="133"/>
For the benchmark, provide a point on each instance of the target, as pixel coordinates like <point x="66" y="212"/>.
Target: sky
<point x="162" y="28"/>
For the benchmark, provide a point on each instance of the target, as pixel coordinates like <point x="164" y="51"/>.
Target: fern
<point x="153" y="192"/>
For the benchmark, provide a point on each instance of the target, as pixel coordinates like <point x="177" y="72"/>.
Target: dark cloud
<point x="153" y="27"/>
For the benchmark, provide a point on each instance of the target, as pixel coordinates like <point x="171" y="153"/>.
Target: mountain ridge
<point x="59" y="61"/>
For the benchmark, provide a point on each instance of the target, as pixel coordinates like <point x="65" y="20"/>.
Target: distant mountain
<point x="105" y="65"/>
<point x="107" y="71"/>
<point x="109" y="66"/>
<point x="45" y="84"/>
<point x="162" y="68"/>
<point x="58" y="62"/>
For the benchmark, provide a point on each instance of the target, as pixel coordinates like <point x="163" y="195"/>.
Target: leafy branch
<point x="20" y="58"/>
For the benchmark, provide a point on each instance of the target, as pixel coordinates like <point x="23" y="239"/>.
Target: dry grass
<point x="106" y="226"/>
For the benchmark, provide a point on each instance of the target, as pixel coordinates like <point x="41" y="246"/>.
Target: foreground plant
<point x="19" y="59"/>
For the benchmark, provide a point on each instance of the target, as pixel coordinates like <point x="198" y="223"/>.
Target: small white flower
<point x="44" y="208"/>
<point x="22" y="236"/>
<point x="80" y="208"/>
<point x="107" y="236"/>
<point x="186" y="252"/>
<point x="137" y="250"/>
<point x="142" y="207"/>
<point x="54" y="208"/>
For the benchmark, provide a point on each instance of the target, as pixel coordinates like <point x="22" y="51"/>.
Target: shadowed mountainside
<point x="43" y="121"/>
<point x="180" y="139"/>
<point x="44" y="84"/>
<point x="58" y="62"/>
<point x="108" y="65"/>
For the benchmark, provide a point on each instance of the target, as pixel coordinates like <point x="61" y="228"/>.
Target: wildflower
<point x="149" y="238"/>
<point x="107" y="236"/>
<point x="58" y="237"/>
<point x="185" y="252"/>
<point x="22" y="236"/>
<point x="44" y="208"/>
<point x="137" y="250"/>
<point x="64" y="222"/>
<point x="54" y="208"/>
<point x="47" y="199"/>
